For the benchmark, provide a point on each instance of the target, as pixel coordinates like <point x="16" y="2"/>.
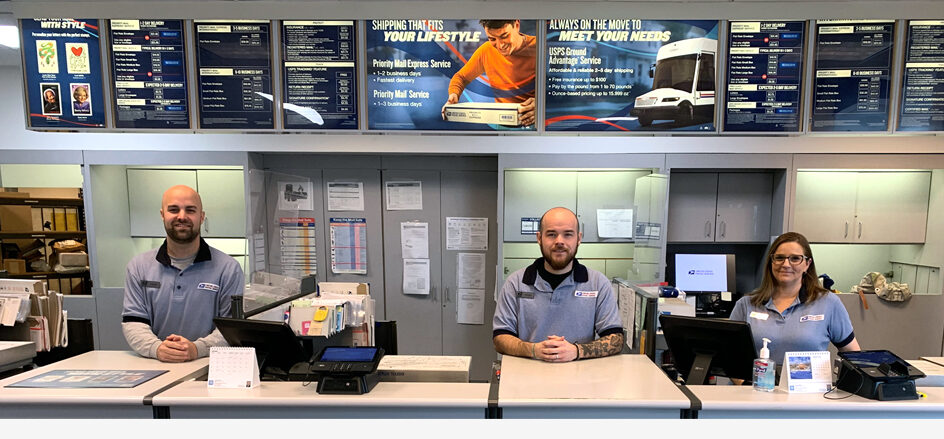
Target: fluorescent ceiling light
<point x="9" y="37"/>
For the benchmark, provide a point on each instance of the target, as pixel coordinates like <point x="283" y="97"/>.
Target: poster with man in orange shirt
<point x="455" y="75"/>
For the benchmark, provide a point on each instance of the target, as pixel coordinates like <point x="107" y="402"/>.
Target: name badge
<point x="759" y="315"/>
<point x="812" y="318"/>
<point x="585" y="293"/>
<point x="524" y="295"/>
<point x="208" y="286"/>
<point x="151" y="284"/>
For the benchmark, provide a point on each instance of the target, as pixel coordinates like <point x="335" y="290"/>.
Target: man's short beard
<point x="553" y="264"/>
<point x="189" y="236"/>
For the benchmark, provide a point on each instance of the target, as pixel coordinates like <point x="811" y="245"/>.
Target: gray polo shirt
<point x="803" y="326"/>
<point x="580" y="308"/>
<point x="183" y="302"/>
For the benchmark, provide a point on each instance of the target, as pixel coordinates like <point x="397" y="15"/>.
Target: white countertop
<point x="937" y="360"/>
<point x="617" y="381"/>
<point x="100" y="360"/>
<point x="295" y="394"/>
<point x="746" y="398"/>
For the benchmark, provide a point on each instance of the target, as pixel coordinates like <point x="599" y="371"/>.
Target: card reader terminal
<point x="347" y="370"/>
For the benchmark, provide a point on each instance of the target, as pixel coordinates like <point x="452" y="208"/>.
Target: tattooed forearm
<point x="610" y="345"/>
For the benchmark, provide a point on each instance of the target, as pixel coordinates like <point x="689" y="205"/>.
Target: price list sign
<point x="62" y="68"/>
<point x="765" y="65"/>
<point x="319" y="74"/>
<point x="149" y="67"/>
<point x="234" y="72"/>
<point x="922" y="96"/>
<point x="851" y="77"/>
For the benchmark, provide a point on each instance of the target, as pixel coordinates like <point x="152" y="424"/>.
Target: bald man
<point x="173" y="293"/>
<point x="556" y="309"/>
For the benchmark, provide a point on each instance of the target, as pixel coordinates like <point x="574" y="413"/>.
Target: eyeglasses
<point x="794" y="259"/>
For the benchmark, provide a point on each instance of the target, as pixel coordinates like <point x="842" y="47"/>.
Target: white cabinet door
<point x="528" y="194"/>
<point x="145" y="189"/>
<point x="692" y="203"/>
<point x="892" y="207"/>
<point x="744" y="207"/>
<point x="603" y="190"/>
<point x="825" y="205"/>
<point x="224" y="201"/>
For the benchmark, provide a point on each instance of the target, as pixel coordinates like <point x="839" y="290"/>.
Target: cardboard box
<point x="23" y="286"/>
<point x="15" y="266"/>
<point x="16" y="218"/>
<point x="77" y="259"/>
<point x="424" y="368"/>
<point x="483" y="112"/>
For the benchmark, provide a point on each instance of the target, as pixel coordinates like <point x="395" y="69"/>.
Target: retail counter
<point x="621" y="386"/>
<point x="16" y="402"/>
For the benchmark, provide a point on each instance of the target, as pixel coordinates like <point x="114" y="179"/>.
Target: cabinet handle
<point x="445" y="296"/>
<point x="724" y="228"/>
<point x="708" y="229"/>
<point x="860" y="229"/>
<point x="845" y="234"/>
<point x="206" y="225"/>
<point x="432" y="292"/>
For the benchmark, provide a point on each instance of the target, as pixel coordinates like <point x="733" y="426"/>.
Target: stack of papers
<point x="43" y="311"/>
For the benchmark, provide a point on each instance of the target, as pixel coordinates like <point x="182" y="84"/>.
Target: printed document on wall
<point x="297" y="245"/>
<point x="345" y="195"/>
<point x="295" y="195"/>
<point x="349" y="245"/>
<point x="404" y="195"/>
<point x="416" y="276"/>
<point x="414" y="240"/>
<point x="466" y="233"/>
<point x="615" y="223"/>
<point x="471" y="306"/>
<point x="470" y="270"/>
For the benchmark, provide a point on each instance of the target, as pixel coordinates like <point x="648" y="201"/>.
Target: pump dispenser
<point x="764" y="370"/>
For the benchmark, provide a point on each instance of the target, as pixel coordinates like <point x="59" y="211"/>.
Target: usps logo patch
<point x="812" y="318"/>
<point x="585" y="293"/>
<point x="208" y="286"/>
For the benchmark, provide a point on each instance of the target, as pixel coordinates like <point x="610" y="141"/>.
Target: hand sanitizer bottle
<point x="764" y="370"/>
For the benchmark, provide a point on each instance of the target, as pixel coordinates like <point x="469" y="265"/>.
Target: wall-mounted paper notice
<point x="295" y="195"/>
<point x="615" y="223"/>
<point x="414" y="240"/>
<point x="470" y="270"/>
<point x="416" y="276"/>
<point x="466" y="233"/>
<point x="471" y="307"/>
<point x="345" y="195"/>
<point x="404" y="195"/>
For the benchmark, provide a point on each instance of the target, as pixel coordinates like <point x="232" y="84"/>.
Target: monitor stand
<point x="699" y="372"/>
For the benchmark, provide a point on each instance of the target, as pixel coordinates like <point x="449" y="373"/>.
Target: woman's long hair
<point x="809" y="283"/>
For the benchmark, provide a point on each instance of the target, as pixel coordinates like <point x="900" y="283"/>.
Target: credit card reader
<point x="347" y="370"/>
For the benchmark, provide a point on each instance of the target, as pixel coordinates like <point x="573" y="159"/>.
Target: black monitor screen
<point x="702" y="346"/>
<point x="276" y="344"/>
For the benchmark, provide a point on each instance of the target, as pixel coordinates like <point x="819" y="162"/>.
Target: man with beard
<point x="173" y="293"/>
<point x="554" y="309"/>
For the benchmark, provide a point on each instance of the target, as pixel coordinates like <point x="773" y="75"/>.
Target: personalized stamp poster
<point x="62" y="68"/>
<point x="455" y="75"/>
<point x="626" y="74"/>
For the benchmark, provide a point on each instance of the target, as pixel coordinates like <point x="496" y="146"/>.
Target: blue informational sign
<point x="630" y="75"/>
<point x="234" y="74"/>
<point x="149" y="70"/>
<point x="852" y="68"/>
<point x="62" y="65"/>
<point x="319" y="76"/>
<point x="922" y="90"/>
<point x="451" y="74"/>
<point x="765" y="76"/>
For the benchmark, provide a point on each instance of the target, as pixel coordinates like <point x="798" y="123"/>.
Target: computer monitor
<point x="705" y="273"/>
<point x="702" y="346"/>
<point x="276" y="345"/>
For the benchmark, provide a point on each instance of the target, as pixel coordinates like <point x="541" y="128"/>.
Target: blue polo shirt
<point x="580" y="308"/>
<point x="185" y="302"/>
<point x="803" y="326"/>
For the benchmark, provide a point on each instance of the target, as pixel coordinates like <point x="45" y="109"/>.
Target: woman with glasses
<point x="791" y="308"/>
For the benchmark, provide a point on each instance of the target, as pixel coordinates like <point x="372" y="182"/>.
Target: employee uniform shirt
<point x="580" y="308"/>
<point x="803" y="326"/>
<point x="182" y="302"/>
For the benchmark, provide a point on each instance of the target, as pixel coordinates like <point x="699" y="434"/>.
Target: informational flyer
<point x="295" y="195"/>
<point x="451" y="74"/>
<point x="466" y="233"/>
<point x="62" y="69"/>
<point x="404" y="195"/>
<point x="298" y="247"/>
<point x="416" y="276"/>
<point x="625" y="74"/>
<point x="922" y="90"/>
<point x="345" y="195"/>
<point x="319" y="76"/>
<point x="349" y="245"/>
<point x="615" y="223"/>
<point x="149" y="70"/>
<point x="89" y="379"/>
<point x="470" y="306"/>
<point x="765" y="76"/>
<point x="414" y="240"/>
<point x="853" y="64"/>
<point x="234" y="74"/>
<point x="470" y="270"/>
